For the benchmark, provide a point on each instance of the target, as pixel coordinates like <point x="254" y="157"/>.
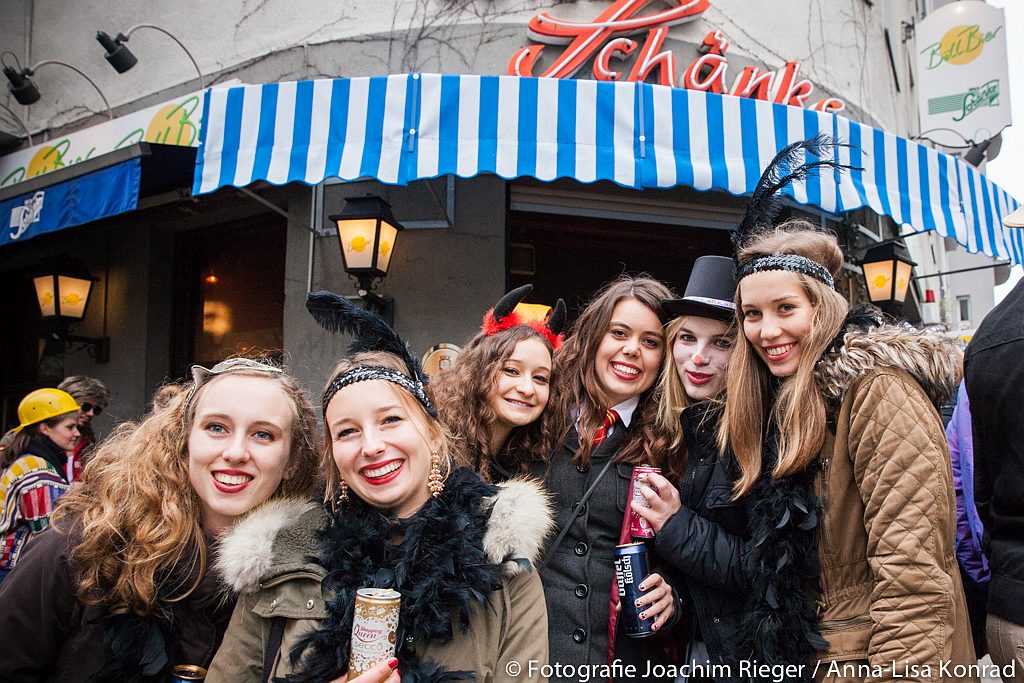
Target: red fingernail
<point x="393" y="663"/>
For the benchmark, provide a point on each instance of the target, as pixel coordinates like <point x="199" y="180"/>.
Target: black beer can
<point x="631" y="568"/>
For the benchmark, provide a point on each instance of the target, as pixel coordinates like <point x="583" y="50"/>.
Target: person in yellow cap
<point x="36" y="469"/>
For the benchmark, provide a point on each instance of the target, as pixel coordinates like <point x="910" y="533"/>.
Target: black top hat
<point x="709" y="291"/>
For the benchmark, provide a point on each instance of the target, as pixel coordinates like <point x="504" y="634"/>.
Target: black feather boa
<point x="781" y="622"/>
<point x="440" y="567"/>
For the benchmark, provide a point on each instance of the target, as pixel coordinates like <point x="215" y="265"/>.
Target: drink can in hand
<point x="374" y="629"/>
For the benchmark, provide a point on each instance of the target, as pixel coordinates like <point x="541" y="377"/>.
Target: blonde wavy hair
<point x="797" y="406"/>
<point x="429" y="428"/>
<point x="137" y="519"/>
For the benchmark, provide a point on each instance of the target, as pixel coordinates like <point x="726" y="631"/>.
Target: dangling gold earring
<point x="434" y="483"/>
<point x="343" y="496"/>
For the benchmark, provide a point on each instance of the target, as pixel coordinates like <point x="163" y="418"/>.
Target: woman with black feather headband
<point x="842" y="457"/>
<point x="398" y="515"/>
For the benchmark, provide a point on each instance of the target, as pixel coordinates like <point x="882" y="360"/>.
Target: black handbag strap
<point x="273" y="646"/>
<point x="577" y="508"/>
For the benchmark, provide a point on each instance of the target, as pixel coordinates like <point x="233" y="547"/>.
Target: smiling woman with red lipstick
<point x="122" y="589"/>
<point x="399" y="515"/>
<point x="610" y="360"/>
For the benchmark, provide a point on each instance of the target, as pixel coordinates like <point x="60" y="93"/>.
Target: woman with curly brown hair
<point x="494" y="399"/>
<point x="120" y="590"/>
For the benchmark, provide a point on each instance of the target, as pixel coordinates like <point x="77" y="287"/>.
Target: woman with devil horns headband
<point x="400" y="515"/>
<point x="495" y="397"/>
<point x="832" y="417"/>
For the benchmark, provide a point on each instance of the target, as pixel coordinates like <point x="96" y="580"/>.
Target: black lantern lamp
<point x="887" y="267"/>
<point x="367" y="232"/>
<point x="63" y="295"/>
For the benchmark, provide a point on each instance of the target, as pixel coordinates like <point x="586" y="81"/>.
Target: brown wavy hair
<point x="462" y="395"/>
<point x="577" y="389"/>
<point x="430" y="428"/>
<point x="796" y="407"/>
<point x="138" y="520"/>
<point x="18" y="441"/>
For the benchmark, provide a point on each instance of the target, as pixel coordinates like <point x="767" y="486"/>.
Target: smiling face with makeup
<point x="238" y="446"/>
<point x="777" y="317"/>
<point x="629" y="354"/>
<point x="701" y="351"/>
<point x="381" y="443"/>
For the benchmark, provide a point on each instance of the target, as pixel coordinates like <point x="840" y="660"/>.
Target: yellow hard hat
<point x="42" y="404"/>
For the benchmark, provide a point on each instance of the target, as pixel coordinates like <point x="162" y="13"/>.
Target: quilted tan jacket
<point x="892" y="603"/>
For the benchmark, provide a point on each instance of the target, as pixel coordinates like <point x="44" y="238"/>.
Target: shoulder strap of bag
<point x="574" y="515"/>
<point x="273" y="646"/>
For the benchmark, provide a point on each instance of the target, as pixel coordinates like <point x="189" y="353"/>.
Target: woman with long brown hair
<point x="121" y="590"/>
<point x="832" y="417"/>
<point x="607" y="369"/>
<point x="495" y="397"/>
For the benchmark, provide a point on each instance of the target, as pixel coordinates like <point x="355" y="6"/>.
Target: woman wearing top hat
<point x="494" y="398"/>
<point x="701" y="530"/>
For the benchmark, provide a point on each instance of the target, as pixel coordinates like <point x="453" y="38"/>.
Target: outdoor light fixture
<point x="366" y="234"/>
<point x="976" y="154"/>
<point x="887" y="268"/>
<point x="63" y="295"/>
<point x="25" y="90"/>
<point x="122" y="59"/>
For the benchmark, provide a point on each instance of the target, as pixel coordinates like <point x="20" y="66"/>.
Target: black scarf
<point x="440" y="567"/>
<point x="780" y="623"/>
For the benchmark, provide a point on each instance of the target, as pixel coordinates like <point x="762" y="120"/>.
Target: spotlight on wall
<point x="122" y="59"/>
<point x="976" y="154"/>
<point x="25" y="90"/>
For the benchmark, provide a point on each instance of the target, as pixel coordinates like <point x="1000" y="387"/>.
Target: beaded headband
<point x="365" y="373"/>
<point x="791" y="262"/>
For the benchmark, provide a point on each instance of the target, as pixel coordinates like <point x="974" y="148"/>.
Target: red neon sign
<point x="606" y="38"/>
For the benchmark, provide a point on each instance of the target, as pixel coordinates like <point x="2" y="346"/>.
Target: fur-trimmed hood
<point x="935" y="361"/>
<point x="278" y="537"/>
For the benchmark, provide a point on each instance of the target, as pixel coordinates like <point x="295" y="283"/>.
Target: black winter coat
<point x="994" y="375"/>
<point x="705" y="542"/>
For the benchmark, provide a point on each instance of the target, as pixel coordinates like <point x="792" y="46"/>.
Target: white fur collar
<point x="245" y="554"/>
<point x="521" y="519"/>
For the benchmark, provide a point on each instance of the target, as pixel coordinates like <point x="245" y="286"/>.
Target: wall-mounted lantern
<point x="887" y="270"/>
<point x="367" y="232"/>
<point x="63" y="296"/>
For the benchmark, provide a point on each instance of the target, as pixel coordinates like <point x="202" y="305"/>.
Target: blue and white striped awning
<point x="401" y="128"/>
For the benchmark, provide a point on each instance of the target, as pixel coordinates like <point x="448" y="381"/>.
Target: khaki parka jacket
<point x="265" y="558"/>
<point x="892" y="605"/>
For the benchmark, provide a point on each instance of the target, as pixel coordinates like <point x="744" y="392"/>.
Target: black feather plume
<point x="764" y="204"/>
<point x="335" y="313"/>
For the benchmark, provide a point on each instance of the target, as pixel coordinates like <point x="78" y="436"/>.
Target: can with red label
<point x="640" y="528"/>
<point x="374" y="629"/>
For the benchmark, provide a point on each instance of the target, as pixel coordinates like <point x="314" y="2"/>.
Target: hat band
<point x="365" y="373"/>
<point x="794" y="263"/>
<point x="717" y="303"/>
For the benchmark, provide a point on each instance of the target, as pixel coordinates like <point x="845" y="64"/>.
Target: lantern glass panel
<point x="357" y="241"/>
<point x="902" y="280"/>
<point x="74" y="294"/>
<point x="386" y="248"/>
<point x="46" y="296"/>
<point x="878" y="276"/>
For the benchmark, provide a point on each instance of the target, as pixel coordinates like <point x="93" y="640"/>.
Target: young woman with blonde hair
<point x="121" y="590"/>
<point x="400" y="514"/>
<point x="832" y="417"/>
<point x="495" y="397"/>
